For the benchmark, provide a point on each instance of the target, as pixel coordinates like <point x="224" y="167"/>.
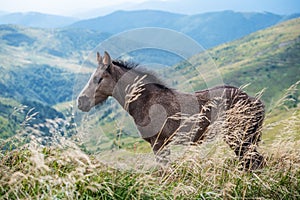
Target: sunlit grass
<point x="45" y="173"/>
<point x="207" y="171"/>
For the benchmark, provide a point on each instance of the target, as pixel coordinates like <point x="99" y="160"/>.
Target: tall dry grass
<point x="51" y="173"/>
<point x="208" y="171"/>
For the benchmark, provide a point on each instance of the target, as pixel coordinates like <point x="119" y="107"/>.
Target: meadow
<point x="65" y="170"/>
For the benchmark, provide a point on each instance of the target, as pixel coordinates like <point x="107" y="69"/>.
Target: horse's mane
<point x="125" y="64"/>
<point x="151" y="76"/>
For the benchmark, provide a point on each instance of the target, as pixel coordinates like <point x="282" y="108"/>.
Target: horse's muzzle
<point x="84" y="103"/>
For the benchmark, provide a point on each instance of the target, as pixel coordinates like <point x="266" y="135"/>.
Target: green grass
<point x="207" y="171"/>
<point x="46" y="173"/>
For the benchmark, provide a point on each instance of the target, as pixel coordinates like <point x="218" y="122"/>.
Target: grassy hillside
<point x="268" y="59"/>
<point x="38" y="69"/>
<point x="64" y="48"/>
<point x="209" y="171"/>
<point x="41" y="64"/>
<point x="8" y="122"/>
<point x="13" y="116"/>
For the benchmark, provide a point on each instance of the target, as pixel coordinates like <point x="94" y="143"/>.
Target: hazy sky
<point x="65" y="7"/>
<point x="76" y="7"/>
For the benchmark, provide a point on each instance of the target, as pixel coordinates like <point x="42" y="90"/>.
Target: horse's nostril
<point x="79" y="101"/>
<point x="83" y="102"/>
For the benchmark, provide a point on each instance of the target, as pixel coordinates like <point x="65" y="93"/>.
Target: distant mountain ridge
<point x="209" y="29"/>
<point x="35" y="19"/>
<point x="192" y="7"/>
<point x="124" y="20"/>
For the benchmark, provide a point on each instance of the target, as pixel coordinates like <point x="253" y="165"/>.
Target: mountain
<point x="120" y="21"/>
<point x="35" y="19"/>
<point x="196" y="6"/>
<point x="40" y="64"/>
<point x="45" y="46"/>
<point x="192" y="7"/>
<point x="268" y="59"/>
<point x="38" y="69"/>
<point x="217" y="28"/>
<point x="208" y="29"/>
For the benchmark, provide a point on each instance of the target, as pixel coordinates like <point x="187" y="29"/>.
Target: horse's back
<point x="232" y="95"/>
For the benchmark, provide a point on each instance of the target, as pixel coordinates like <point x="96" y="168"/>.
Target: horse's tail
<point x="245" y="121"/>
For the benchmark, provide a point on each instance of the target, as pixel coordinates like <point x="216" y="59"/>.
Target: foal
<point x="162" y="114"/>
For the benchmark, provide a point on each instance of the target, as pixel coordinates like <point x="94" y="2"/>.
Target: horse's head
<point x="99" y="87"/>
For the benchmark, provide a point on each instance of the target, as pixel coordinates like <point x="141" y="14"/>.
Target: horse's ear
<point x="106" y="59"/>
<point x="99" y="58"/>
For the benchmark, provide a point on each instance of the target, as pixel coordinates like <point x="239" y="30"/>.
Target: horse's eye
<point x="97" y="80"/>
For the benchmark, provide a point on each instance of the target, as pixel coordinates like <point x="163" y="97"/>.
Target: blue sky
<point x="81" y="7"/>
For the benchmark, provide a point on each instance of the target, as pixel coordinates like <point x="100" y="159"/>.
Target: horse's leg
<point x="161" y="151"/>
<point x="250" y="158"/>
<point x="245" y="147"/>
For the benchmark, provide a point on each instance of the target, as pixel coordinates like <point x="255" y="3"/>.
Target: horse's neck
<point x="128" y="85"/>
